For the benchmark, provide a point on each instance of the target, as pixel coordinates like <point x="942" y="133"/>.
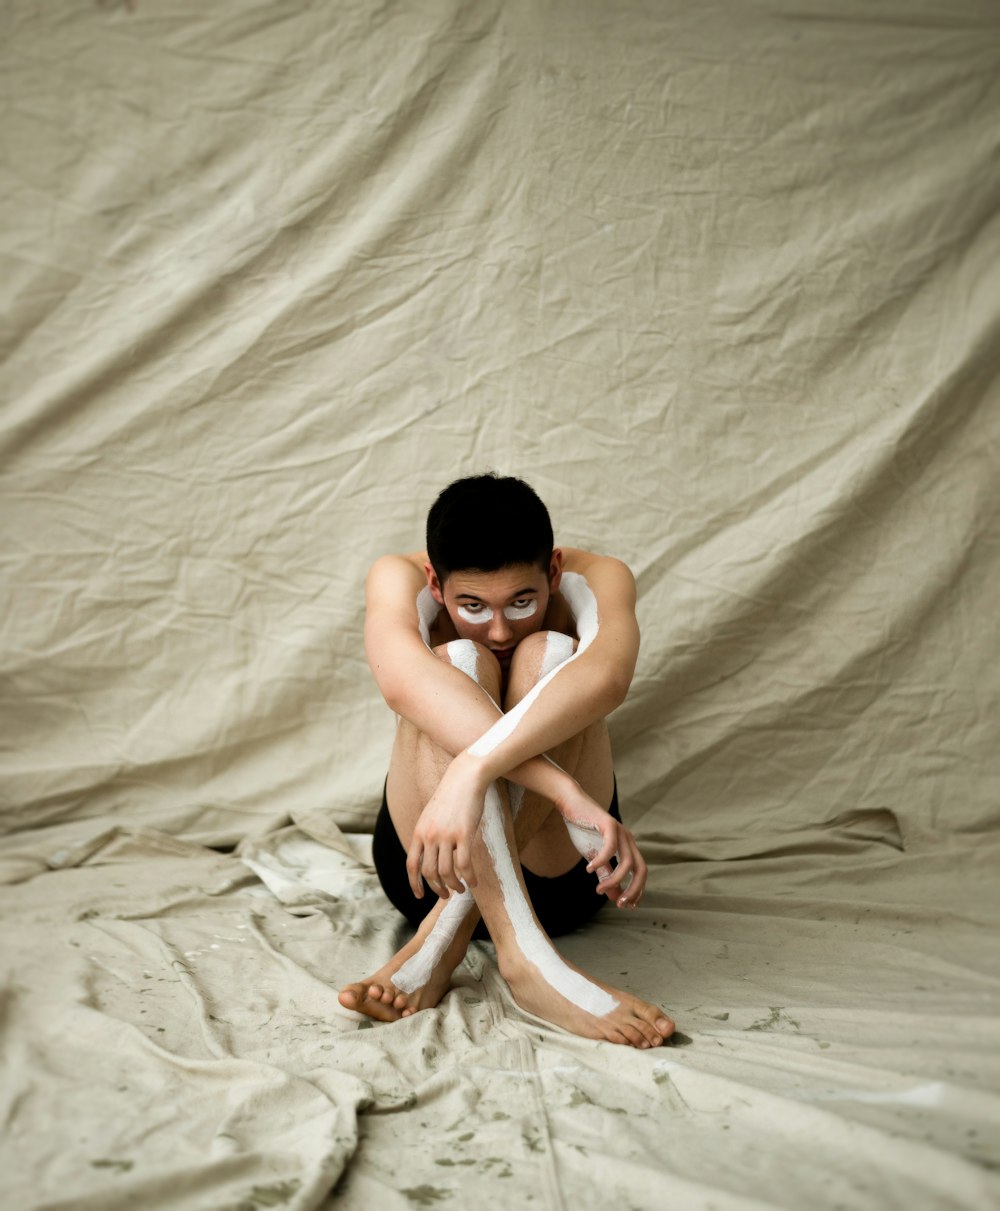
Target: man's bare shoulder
<point x="395" y="580"/>
<point x="600" y="571"/>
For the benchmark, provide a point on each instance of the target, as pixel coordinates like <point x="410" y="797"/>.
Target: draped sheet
<point x="718" y="279"/>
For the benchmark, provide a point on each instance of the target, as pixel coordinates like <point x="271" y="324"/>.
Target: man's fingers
<point x="463" y="864"/>
<point x="626" y="884"/>
<point x="446" y="871"/>
<point x="629" y="882"/>
<point x="430" y="871"/>
<point x="605" y="853"/>
<point x="614" y="885"/>
<point x="413" y="860"/>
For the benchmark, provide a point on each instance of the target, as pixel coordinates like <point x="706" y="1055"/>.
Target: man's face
<point x="498" y="609"/>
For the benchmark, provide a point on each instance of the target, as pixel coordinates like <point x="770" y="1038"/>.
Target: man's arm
<point x="436" y="698"/>
<point x="582" y="690"/>
<point x="454" y="712"/>
<point x="441" y="701"/>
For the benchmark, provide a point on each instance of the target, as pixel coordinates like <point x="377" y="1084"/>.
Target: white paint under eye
<point x="518" y="613"/>
<point x="583" y="605"/>
<point x="533" y="944"/>
<point x="485" y="614"/>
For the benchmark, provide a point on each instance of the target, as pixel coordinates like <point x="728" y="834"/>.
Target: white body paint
<point x="533" y="943"/>
<point x="462" y="654"/>
<point x="475" y="616"/>
<point x="583" y="603"/>
<point x="427" y="610"/>
<point x="511" y="613"/>
<point x="558" y="649"/>
<point x="419" y="968"/>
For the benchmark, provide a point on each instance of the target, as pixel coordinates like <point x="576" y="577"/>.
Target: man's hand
<point x="441" y="849"/>
<point x="600" y="837"/>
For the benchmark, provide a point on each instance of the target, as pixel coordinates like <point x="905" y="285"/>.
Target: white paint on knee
<point x="419" y="968"/>
<point x="583" y="604"/>
<point x="463" y="655"/>
<point x="558" y="649"/>
<point x="533" y="943"/>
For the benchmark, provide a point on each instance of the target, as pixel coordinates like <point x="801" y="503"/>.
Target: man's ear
<point x="434" y="584"/>
<point x="555" y="570"/>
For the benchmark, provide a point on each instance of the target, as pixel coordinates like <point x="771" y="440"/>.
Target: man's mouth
<point x="503" y="653"/>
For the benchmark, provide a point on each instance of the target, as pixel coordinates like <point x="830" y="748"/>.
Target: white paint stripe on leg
<point x="419" y="968"/>
<point x="532" y="942"/>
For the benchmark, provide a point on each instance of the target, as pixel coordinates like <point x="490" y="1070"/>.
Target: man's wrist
<point x="478" y="769"/>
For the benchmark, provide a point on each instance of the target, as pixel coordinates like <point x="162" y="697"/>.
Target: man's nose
<point x="500" y="629"/>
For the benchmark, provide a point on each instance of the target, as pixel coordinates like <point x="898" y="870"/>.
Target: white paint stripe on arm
<point x="583" y="604"/>
<point x="534" y="945"/>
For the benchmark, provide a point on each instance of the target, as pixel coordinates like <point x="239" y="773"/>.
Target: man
<point x="501" y="655"/>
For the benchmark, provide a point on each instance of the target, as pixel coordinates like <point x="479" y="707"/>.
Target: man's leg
<point x="415" y="769"/>
<point x="540" y="979"/>
<point x="545" y="845"/>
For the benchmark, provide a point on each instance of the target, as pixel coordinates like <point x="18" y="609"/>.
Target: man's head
<point x="487" y="522"/>
<point x="491" y="559"/>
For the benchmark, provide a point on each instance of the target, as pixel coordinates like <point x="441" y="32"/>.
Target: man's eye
<point x="473" y="607"/>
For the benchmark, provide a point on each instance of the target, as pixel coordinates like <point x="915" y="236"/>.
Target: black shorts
<point x="562" y="904"/>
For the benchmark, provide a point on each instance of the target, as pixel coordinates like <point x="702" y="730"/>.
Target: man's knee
<point x="536" y="656"/>
<point x="472" y="658"/>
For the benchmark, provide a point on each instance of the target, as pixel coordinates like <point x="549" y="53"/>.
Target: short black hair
<point x="487" y="522"/>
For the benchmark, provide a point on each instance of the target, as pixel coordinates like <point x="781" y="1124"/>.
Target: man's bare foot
<point x="378" y="998"/>
<point x="632" y="1021"/>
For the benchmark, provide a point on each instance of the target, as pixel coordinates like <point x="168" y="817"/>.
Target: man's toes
<point x="350" y="997"/>
<point x="632" y="1034"/>
<point x="649" y="1033"/>
<point x="400" y="1000"/>
<point x="664" y="1027"/>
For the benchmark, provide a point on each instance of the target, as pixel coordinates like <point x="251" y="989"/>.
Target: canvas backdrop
<point x="719" y="280"/>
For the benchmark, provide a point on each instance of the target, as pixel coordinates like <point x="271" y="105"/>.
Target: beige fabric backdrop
<point x="719" y="280"/>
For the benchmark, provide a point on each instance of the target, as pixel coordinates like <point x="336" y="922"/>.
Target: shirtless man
<point x="494" y="616"/>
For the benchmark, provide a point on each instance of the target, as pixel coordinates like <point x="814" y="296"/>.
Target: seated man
<point x="501" y="656"/>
